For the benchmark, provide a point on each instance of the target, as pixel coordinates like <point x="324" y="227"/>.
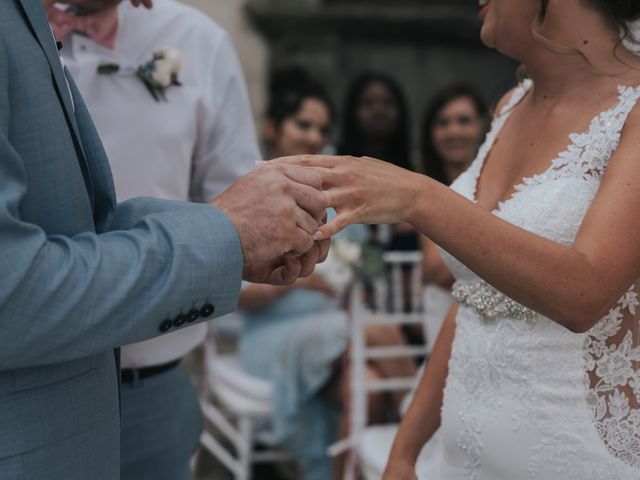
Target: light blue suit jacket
<point x="80" y="275"/>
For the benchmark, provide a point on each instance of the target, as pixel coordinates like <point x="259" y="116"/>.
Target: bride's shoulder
<point x="628" y="130"/>
<point x="629" y="102"/>
<point x="632" y="122"/>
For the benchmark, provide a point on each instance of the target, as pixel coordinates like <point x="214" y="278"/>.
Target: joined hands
<point x="362" y="190"/>
<point x="280" y="209"/>
<point x="277" y="209"/>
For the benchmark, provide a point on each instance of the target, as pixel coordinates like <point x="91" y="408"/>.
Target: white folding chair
<point x="391" y="296"/>
<point x="374" y="448"/>
<point x="239" y="408"/>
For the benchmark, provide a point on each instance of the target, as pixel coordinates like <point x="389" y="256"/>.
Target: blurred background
<point x="442" y="84"/>
<point x="307" y="381"/>
<point x="424" y="44"/>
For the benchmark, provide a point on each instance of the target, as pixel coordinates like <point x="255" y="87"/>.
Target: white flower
<point x="174" y="57"/>
<point x="162" y="73"/>
<point x="615" y="369"/>
<point x="335" y="272"/>
<point x="631" y="43"/>
<point x="347" y="251"/>
<point x="618" y="405"/>
<point x="596" y="348"/>
<point x="618" y="435"/>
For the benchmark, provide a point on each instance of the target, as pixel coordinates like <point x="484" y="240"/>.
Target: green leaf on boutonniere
<point x="108" y="69"/>
<point x="175" y="81"/>
<point x="150" y="87"/>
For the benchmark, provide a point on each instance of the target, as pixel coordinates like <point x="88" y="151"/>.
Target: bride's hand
<point x="363" y="190"/>
<point x="399" y="471"/>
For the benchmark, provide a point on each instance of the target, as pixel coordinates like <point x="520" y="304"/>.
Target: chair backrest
<point x="400" y="291"/>
<point x="398" y="297"/>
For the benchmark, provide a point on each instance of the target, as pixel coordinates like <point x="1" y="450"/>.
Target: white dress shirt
<point x="191" y="147"/>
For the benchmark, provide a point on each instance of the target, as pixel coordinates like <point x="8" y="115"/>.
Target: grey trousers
<point x="161" y="427"/>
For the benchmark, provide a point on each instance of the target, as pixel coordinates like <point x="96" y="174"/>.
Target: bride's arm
<point x="423" y="417"/>
<point x="573" y="285"/>
<point x="434" y="270"/>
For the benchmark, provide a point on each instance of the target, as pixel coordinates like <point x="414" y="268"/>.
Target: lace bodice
<point x="580" y="393"/>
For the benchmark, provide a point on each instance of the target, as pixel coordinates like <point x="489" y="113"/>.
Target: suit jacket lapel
<point x="36" y="17"/>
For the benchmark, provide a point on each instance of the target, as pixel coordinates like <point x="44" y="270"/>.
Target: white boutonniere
<point x="160" y="73"/>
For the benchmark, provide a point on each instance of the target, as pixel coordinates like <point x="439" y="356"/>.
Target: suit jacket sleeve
<point x="69" y="297"/>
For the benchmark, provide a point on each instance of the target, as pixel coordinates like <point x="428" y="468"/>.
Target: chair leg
<point x="245" y="448"/>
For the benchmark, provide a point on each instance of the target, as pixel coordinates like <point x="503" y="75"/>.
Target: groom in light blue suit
<point x="81" y="275"/>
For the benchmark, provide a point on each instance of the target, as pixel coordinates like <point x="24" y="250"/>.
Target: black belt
<point x="129" y="375"/>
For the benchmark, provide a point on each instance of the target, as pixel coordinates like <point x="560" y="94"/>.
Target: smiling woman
<point x="541" y="354"/>
<point x="453" y="126"/>
<point x="299" y="116"/>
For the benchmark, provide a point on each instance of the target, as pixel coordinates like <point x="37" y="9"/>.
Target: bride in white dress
<point x="536" y="372"/>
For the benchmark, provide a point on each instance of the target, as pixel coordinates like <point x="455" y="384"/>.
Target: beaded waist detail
<point x="488" y="302"/>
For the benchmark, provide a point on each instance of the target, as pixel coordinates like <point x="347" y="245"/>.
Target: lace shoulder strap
<point x="496" y="126"/>
<point x="614" y="119"/>
<point x="589" y="152"/>
<point x="516" y="97"/>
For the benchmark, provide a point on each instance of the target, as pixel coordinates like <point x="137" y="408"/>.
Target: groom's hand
<point x="284" y="270"/>
<point x="277" y="209"/>
<point x="287" y="269"/>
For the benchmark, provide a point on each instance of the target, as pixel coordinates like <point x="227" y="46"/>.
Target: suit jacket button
<point x="207" y="310"/>
<point x="166" y="326"/>
<point x="193" y="315"/>
<point x="180" y="320"/>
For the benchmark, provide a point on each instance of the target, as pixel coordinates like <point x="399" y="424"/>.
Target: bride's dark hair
<point x="620" y="12"/>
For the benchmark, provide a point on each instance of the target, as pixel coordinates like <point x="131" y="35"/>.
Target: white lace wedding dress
<point x="526" y="398"/>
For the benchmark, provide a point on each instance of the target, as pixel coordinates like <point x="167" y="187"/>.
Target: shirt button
<point x="207" y="310"/>
<point x="83" y="47"/>
<point x="180" y="320"/>
<point x="193" y="315"/>
<point x="166" y="326"/>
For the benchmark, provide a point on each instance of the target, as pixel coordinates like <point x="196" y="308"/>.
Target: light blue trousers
<point x="161" y="427"/>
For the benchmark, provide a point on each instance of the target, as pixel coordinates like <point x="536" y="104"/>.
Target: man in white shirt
<point x="189" y="143"/>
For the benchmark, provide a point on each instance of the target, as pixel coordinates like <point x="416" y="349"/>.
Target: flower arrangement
<point x="349" y="261"/>
<point x="157" y="75"/>
<point x="339" y="269"/>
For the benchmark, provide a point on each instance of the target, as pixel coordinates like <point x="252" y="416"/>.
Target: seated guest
<point x="296" y="336"/>
<point x="453" y="128"/>
<point x="187" y="142"/>
<point x="376" y="124"/>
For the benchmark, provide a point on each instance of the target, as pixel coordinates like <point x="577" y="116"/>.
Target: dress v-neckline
<point x="498" y="125"/>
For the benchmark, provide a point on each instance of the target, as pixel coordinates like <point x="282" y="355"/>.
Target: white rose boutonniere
<point x="160" y="73"/>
